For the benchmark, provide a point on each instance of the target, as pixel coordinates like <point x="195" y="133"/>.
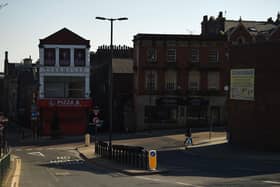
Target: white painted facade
<point x="64" y="71"/>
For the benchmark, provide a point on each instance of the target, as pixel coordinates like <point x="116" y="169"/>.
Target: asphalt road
<point x="62" y="167"/>
<point x="202" y="170"/>
<point x="58" y="164"/>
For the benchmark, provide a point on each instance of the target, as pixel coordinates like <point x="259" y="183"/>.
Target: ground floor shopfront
<point x="159" y="112"/>
<point x="68" y="116"/>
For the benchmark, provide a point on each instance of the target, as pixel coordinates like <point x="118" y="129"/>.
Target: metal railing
<point x="127" y="155"/>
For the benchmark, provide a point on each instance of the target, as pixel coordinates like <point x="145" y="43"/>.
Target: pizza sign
<point x="64" y="102"/>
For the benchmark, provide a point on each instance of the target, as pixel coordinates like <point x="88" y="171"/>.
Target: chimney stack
<point x="220" y="14"/>
<point x="6" y="61"/>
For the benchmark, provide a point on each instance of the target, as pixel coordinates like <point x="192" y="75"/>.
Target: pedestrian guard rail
<point x="127" y="155"/>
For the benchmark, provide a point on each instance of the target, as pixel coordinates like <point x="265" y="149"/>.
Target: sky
<point x="24" y="22"/>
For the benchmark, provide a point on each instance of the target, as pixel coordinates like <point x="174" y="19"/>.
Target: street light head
<point x="121" y="19"/>
<point x="100" y="18"/>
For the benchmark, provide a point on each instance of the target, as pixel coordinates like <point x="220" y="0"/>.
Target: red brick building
<point x="254" y="121"/>
<point x="254" y="67"/>
<point x="171" y="69"/>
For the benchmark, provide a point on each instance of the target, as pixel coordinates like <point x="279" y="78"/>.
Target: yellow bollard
<point x="152" y="159"/>
<point x="87" y="139"/>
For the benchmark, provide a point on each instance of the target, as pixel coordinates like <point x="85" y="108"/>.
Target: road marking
<point x="36" y="154"/>
<point x="51" y="174"/>
<point x="186" y="184"/>
<point x="62" y="173"/>
<point x="272" y="182"/>
<point x="166" y="181"/>
<point x="15" y="179"/>
<point x="248" y="169"/>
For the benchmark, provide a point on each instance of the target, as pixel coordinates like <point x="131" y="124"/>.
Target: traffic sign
<point x="96" y="121"/>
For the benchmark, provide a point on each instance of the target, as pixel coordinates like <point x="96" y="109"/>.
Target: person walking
<point x="188" y="141"/>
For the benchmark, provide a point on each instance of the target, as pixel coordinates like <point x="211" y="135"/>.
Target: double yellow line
<point x="16" y="176"/>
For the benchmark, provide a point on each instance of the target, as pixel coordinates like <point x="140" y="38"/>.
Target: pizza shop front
<point x="70" y="115"/>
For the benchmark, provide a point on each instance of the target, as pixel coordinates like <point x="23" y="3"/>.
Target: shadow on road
<point x="222" y="160"/>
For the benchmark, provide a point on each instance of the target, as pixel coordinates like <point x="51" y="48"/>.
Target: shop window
<point x="158" y="114"/>
<point x="49" y="57"/>
<point x="64" y="87"/>
<point x="197" y="113"/>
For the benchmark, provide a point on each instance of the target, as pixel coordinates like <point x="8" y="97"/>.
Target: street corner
<point x="87" y="152"/>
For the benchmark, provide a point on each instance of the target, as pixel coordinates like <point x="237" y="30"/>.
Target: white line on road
<point x="272" y="182"/>
<point x="36" y="154"/>
<point x="166" y="181"/>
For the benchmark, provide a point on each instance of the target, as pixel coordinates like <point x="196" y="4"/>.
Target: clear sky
<point x="24" y="22"/>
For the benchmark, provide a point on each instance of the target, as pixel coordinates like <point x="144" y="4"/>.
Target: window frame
<point x="64" y="60"/>
<point x="217" y="83"/>
<point x="152" y="55"/>
<point x="213" y="56"/>
<point x="49" y="60"/>
<point x="150" y="80"/>
<point x="195" y="55"/>
<point x="171" y="55"/>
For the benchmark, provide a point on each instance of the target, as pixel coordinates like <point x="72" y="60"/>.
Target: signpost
<point x="96" y="121"/>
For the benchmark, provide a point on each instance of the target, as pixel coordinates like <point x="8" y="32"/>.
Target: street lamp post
<point x="110" y="84"/>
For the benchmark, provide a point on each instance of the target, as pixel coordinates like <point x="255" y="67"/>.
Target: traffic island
<point x="88" y="153"/>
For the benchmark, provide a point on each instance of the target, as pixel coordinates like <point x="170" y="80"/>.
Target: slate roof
<point x="254" y="27"/>
<point x="64" y="37"/>
<point x="186" y="37"/>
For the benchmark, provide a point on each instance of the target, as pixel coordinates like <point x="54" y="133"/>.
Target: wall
<point x="256" y="123"/>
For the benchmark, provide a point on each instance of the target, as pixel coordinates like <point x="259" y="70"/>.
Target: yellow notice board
<point x="242" y="82"/>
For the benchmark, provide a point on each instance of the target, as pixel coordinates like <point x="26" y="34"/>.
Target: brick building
<point x="253" y="117"/>
<point x="2" y="92"/>
<point x="20" y="83"/>
<point x="254" y="67"/>
<point x="171" y="70"/>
